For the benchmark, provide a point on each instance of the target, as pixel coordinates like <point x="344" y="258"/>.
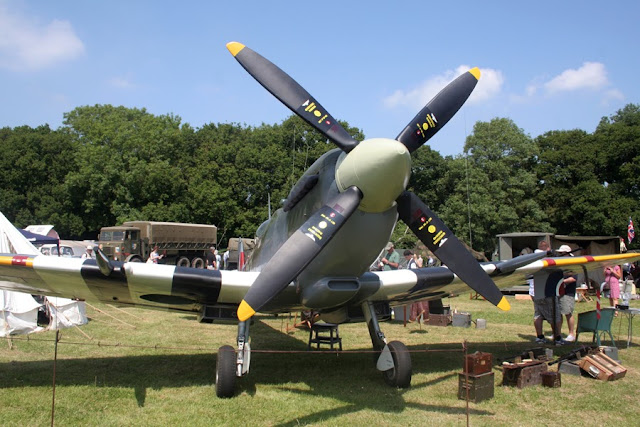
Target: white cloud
<point x="489" y="85"/>
<point x="122" y="82"/>
<point x="612" y="95"/>
<point x="592" y="75"/>
<point x="26" y="44"/>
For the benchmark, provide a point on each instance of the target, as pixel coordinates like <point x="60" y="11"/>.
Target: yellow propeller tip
<point x="475" y="71"/>
<point x="504" y="304"/>
<point x="235" y="47"/>
<point x="245" y="311"/>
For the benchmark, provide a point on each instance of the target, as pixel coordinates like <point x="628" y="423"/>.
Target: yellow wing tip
<point x="235" y="47"/>
<point x="475" y="72"/>
<point x="245" y="311"/>
<point x="504" y="304"/>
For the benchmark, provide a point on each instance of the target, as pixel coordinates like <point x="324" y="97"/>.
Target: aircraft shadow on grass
<point x="338" y="379"/>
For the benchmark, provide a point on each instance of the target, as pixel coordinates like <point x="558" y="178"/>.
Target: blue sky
<point x="547" y="65"/>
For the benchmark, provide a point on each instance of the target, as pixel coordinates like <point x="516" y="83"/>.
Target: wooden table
<point x="582" y="294"/>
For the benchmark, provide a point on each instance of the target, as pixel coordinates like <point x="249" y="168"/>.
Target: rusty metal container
<point x="480" y="387"/>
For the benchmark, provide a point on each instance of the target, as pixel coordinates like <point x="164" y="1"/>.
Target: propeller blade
<point x="445" y="245"/>
<point x="291" y="94"/>
<point x="298" y="251"/>
<point x="438" y="111"/>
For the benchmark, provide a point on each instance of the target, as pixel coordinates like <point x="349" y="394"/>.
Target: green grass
<point x="126" y="380"/>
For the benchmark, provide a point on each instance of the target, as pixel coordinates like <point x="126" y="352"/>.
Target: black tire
<point x="226" y="372"/>
<point x="197" y="262"/>
<point x="400" y="375"/>
<point x="133" y="258"/>
<point x="183" y="261"/>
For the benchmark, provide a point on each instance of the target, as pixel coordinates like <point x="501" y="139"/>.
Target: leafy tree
<point x="494" y="187"/>
<point x="618" y="152"/>
<point x="34" y="164"/>
<point x="128" y="165"/>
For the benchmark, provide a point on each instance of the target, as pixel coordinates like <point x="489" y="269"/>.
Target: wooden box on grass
<point x="480" y="386"/>
<point x="602" y="367"/>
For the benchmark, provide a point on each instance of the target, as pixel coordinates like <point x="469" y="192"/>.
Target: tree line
<point x="106" y="165"/>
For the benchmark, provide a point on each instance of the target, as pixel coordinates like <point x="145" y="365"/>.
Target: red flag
<point x="240" y="255"/>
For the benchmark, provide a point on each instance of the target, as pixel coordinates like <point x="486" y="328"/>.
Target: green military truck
<point x="184" y="245"/>
<point x="234" y="243"/>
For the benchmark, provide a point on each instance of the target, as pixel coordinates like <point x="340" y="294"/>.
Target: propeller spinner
<point x="356" y="178"/>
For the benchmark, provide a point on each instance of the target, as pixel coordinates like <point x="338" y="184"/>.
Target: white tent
<point x="18" y="314"/>
<point x="65" y="313"/>
<point x="20" y="311"/>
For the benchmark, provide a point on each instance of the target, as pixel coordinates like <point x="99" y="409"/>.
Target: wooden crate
<point x="602" y="367"/>
<point x="481" y="387"/>
<point x="478" y="363"/>
<point x="551" y="379"/>
<point x="439" y="319"/>
<point x="524" y="374"/>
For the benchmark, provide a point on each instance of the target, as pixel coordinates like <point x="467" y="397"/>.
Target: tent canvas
<point x="65" y="313"/>
<point x="19" y="311"/>
<point x="38" y="239"/>
<point x="18" y="314"/>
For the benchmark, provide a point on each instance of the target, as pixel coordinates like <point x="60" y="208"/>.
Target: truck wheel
<point x="197" y="262"/>
<point x="133" y="258"/>
<point x="183" y="261"/>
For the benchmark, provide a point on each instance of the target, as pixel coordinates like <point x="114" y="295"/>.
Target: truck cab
<point x="122" y="243"/>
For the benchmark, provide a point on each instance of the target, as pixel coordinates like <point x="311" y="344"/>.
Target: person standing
<point x="568" y="296"/>
<point x="211" y="259"/>
<point x="88" y="253"/>
<point x="218" y="260"/>
<point x="612" y="277"/>
<point x="421" y="307"/>
<point x="154" y="256"/>
<point x="391" y="261"/>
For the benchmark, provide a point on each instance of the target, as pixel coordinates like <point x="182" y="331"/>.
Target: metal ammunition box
<point x="480" y="387"/>
<point x="461" y="320"/>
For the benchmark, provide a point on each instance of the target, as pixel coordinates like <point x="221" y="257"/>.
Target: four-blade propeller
<point x="314" y="234"/>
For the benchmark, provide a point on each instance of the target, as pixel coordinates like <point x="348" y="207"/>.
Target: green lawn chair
<point x="588" y="322"/>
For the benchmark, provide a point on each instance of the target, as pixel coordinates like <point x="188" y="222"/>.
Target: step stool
<point x="324" y="333"/>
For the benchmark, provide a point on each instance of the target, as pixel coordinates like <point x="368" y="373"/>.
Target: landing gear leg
<point x="232" y="364"/>
<point x="394" y="360"/>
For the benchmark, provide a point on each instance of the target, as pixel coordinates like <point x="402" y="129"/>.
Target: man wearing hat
<point x="391" y="260"/>
<point x="89" y="253"/>
<point x="568" y="296"/>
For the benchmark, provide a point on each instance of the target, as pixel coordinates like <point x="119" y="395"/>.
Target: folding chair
<point x="588" y="322"/>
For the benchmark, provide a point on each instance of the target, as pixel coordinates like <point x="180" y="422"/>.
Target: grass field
<point x="160" y="371"/>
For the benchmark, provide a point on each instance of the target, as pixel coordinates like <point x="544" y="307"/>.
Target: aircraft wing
<point x="188" y="289"/>
<point x="402" y="286"/>
<point x="148" y="285"/>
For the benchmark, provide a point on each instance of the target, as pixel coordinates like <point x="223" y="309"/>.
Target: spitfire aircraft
<point x="315" y="252"/>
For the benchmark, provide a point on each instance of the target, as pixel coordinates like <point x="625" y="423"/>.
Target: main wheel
<point x="197" y="262"/>
<point x="226" y="372"/>
<point x="183" y="261"/>
<point x="400" y="375"/>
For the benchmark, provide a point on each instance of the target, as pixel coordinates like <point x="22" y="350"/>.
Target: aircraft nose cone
<point x="380" y="168"/>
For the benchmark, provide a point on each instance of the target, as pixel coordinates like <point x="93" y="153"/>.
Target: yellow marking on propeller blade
<point x="235" y="47"/>
<point x="475" y="71"/>
<point x="245" y="311"/>
<point x="504" y="304"/>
